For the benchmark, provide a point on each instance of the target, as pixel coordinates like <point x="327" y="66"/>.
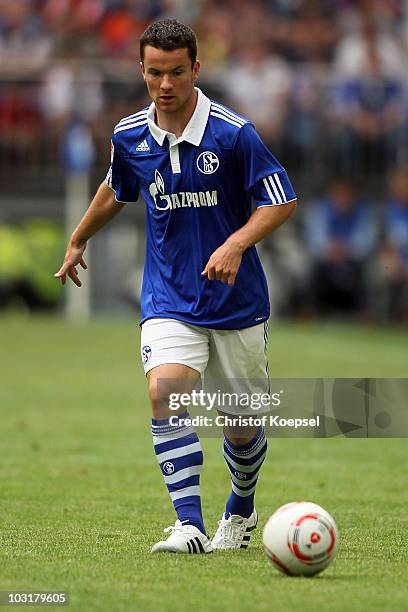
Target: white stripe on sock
<point x="241" y="493"/>
<point x="179" y="452"/>
<point x="249" y="453"/>
<point x="189" y="431"/>
<point x="186" y="492"/>
<point x="241" y="467"/>
<point x="182" y="474"/>
<point x="243" y="483"/>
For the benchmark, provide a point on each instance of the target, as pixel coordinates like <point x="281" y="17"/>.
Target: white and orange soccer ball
<point x="300" y="539"/>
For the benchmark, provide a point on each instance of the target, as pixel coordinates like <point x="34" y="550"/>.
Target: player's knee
<point x="152" y="388"/>
<point x="239" y="440"/>
<point x="240" y="435"/>
<point x="161" y="392"/>
<point x="160" y="407"/>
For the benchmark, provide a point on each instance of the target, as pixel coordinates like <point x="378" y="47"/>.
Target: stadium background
<point x="81" y="499"/>
<point x="324" y="82"/>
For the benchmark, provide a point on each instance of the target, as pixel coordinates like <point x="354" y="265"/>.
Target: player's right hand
<point x="73" y="257"/>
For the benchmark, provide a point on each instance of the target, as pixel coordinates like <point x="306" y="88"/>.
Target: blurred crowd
<point x="347" y="256"/>
<point x="314" y="75"/>
<point x="324" y="81"/>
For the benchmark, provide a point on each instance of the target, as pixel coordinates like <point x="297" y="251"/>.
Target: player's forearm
<point x="262" y="222"/>
<point x="101" y="210"/>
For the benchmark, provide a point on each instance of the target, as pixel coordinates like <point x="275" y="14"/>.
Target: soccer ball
<point x="300" y="539"/>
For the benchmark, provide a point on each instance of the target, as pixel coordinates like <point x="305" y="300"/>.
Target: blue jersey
<point x="198" y="190"/>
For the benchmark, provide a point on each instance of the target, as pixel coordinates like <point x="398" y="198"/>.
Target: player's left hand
<point x="224" y="263"/>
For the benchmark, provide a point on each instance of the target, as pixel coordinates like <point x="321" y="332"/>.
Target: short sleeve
<point x="262" y="175"/>
<point x="121" y="178"/>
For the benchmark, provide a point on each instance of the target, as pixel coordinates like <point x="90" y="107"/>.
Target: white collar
<point x="194" y="130"/>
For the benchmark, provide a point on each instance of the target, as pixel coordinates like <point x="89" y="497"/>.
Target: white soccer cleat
<point x="234" y="532"/>
<point x="183" y="539"/>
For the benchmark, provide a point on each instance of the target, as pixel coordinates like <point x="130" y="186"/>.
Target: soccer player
<point x="199" y="166"/>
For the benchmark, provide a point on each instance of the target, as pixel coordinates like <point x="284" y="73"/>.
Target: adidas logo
<point x="194" y="546"/>
<point x="143" y="146"/>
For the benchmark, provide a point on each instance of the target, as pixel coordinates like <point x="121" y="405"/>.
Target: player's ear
<point x="196" y="69"/>
<point x="142" y="70"/>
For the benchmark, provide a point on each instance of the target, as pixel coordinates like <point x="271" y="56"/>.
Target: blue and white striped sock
<point x="178" y="451"/>
<point x="244" y="463"/>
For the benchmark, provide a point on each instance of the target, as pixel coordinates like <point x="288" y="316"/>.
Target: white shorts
<point x="235" y="359"/>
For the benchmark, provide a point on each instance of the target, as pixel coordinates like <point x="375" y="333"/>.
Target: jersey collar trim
<point x="195" y="128"/>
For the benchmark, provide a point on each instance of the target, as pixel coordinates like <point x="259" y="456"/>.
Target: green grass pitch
<point x="82" y="500"/>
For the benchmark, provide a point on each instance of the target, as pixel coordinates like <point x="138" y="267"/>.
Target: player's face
<point x="169" y="77"/>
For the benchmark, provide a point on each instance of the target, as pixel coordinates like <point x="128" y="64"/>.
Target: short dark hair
<point x="169" y="34"/>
